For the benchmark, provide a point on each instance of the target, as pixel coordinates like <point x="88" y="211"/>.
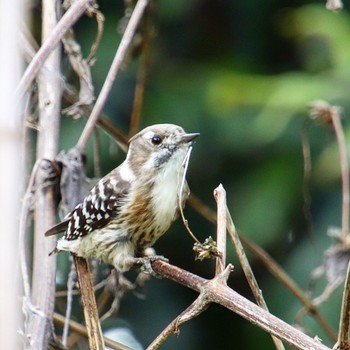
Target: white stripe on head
<point x="148" y="135"/>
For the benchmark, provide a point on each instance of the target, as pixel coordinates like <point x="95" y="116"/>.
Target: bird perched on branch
<point x="133" y="205"/>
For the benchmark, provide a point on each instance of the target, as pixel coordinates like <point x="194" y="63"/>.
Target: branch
<point x="70" y="95"/>
<point x="218" y="292"/>
<point x="116" y="64"/>
<point x="202" y="302"/>
<point x="220" y="197"/>
<point x="12" y="172"/>
<point x="148" y="33"/>
<point x="44" y="267"/>
<point x="66" y="22"/>
<point x="335" y="115"/>
<point x="343" y="336"/>
<point x="248" y="272"/>
<point x="270" y="265"/>
<point x="321" y="110"/>
<point x="281" y="275"/>
<point x="196" y="308"/>
<point x="89" y="304"/>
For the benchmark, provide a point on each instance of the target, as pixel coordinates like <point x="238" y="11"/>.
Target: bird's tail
<point x="60" y="227"/>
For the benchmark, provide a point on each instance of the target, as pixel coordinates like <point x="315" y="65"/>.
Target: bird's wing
<point x="97" y="209"/>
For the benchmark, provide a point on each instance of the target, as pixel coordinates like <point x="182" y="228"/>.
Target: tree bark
<point x="44" y="266"/>
<point x="11" y="178"/>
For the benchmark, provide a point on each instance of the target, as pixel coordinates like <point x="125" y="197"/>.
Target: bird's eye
<point x="156" y="140"/>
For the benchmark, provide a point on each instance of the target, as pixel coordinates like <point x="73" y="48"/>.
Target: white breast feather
<point x="165" y="191"/>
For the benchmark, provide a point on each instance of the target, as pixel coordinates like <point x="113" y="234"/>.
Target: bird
<point x="133" y="205"/>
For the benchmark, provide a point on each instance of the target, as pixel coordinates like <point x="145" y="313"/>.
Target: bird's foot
<point x="145" y="263"/>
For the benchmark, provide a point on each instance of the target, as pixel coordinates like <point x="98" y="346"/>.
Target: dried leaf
<point x="334" y="267"/>
<point x="82" y="69"/>
<point x="206" y="250"/>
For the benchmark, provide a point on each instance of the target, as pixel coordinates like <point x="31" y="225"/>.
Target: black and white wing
<point x="97" y="209"/>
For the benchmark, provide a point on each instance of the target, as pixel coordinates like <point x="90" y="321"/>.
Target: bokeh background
<point x="242" y="73"/>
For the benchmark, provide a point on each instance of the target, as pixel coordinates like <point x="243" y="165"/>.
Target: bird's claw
<point x="145" y="263"/>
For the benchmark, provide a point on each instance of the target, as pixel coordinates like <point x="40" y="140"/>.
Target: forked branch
<point x="216" y="291"/>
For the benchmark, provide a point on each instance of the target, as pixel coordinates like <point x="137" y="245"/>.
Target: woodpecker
<point x="133" y="205"/>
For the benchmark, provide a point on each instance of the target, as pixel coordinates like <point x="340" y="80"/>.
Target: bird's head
<point x="159" y="146"/>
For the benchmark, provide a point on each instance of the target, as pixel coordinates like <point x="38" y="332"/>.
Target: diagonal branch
<point x="118" y="60"/>
<point x="219" y="293"/>
<point x="68" y="19"/>
<point x="196" y="308"/>
<point x="271" y="265"/>
<point x="248" y="272"/>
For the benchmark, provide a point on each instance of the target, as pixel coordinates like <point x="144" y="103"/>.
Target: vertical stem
<point x="44" y="266"/>
<point x="220" y="197"/>
<point x="89" y="304"/>
<point x="11" y="174"/>
<point x="343" y="336"/>
<point x="344" y="168"/>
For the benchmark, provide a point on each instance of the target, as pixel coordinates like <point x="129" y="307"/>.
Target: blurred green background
<point x="242" y="73"/>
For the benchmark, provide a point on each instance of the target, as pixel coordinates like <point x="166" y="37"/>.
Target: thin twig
<point x="290" y="284"/>
<point x="23" y="225"/>
<point x="195" y="309"/>
<point x="248" y="272"/>
<point x="325" y="113"/>
<point x="100" y="19"/>
<point x="344" y="322"/>
<point x="343" y="336"/>
<point x="306" y="175"/>
<point x="335" y="115"/>
<point x="64" y="293"/>
<point x="221" y="275"/>
<point x="182" y="184"/>
<point x="82" y="69"/>
<point x="118" y="60"/>
<point x="220" y="197"/>
<point x="242" y="257"/>
<point x="66" y="22"/>
<point x="97" y="159"/>
<point x="89" y="304"/>
<point x="270" y="265"/>
<point x="70" y="96"/>
<point x="147" y="36"/>
<point x="321" y="110"/>
<point x="70" y="285"/>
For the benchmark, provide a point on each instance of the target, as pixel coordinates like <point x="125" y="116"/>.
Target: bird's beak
<point x="189" y="137"/>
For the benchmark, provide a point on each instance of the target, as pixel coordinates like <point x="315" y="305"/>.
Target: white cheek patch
<point x="150" y="164"/>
